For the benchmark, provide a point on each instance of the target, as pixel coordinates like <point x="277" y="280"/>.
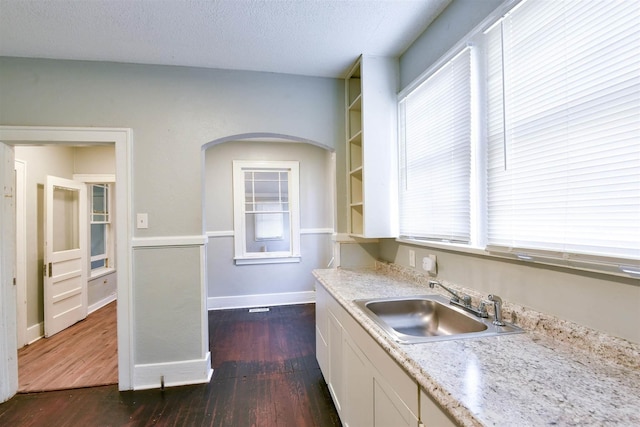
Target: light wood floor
<point x="84" y="355"/>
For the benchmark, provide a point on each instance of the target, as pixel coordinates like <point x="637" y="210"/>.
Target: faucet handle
<point x="466" y="300"/>
<point x="482" y="308"/>
<point x="497" y="309"/>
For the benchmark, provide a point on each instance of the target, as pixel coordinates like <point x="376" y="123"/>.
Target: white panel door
<point x="65" y="283"/>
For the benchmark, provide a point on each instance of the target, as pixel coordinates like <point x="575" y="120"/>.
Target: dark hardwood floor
<point x="265" y="374"/>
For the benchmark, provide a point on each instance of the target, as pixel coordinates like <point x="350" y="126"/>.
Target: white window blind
<point x="435" y="155"/>
<point x="564" y="146"/>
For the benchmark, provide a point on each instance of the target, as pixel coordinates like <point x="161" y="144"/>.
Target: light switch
<point x="412" y="258"/>
<point x="142" y="220"/>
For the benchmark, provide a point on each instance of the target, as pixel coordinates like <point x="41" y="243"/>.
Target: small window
<point x="100" y="224"/>
<point x="266" y="218"/>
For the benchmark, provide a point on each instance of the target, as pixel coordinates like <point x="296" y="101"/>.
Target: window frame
<point x="241" y="255"/>
<point x="107" y="229"/>
<point x="626" y="267"/>
<point x="108" y="180"/>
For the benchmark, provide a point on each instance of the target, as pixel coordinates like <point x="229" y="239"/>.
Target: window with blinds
<point x="554" y="134"/>
<point x="266" y="211"/>
<point x="435" y="155"/>
<point x="564" y="129"/>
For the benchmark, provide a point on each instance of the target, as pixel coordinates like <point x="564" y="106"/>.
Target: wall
<point x="457" y="19"/>
<point x="63" y="162"/>
<point x="605" y="303"/>
<point x="225" y="279"/>
<point x="173" y="112"/>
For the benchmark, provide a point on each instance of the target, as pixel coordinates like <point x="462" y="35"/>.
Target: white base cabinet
<point x="431" y="414"/>
<point x="367" y="386"/>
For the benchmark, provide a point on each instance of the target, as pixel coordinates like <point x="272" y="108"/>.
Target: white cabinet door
<point x="431" y="414"/>
<point x="335" y="380"/>
<point x="322" y="346"/>
<point x="358" y="385"/>
<point x="389" y="409"/>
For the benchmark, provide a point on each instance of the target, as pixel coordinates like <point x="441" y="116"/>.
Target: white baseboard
<point x="98" y="305"/>
<point x="175" y="373"/>
<point x="260" y="300"/>
<point x="35" y="332"/>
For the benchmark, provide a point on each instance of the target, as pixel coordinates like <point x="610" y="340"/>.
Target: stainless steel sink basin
<point x="428" y="318"/>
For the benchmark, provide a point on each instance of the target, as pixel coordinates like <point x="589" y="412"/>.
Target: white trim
<point x="94" y="178"/>
<point x="348" y="238"/>
<point x="175" y="374"/>
<point x="21" y="251"/>
<point x="267" y="260"/>
<point x="122" y="138"/>
<point x="225" y="233"/>
<point x="162" y="241"/>
<point x="239" y="221"/>
<point x="35" y="332"/>
<point x="530" y="257"/>
<point x="98" y="305"/>
<point x="303" y="231"/>
<point x="260" y="300"/>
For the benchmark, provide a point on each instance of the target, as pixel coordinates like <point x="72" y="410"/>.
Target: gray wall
<point x="316" y="212"/>
<point x="173" y="112"/>
<point x="606" y="303"/>
<point x="456" y="20"/>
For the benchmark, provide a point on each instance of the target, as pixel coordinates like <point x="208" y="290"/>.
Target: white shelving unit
<point x="371" y="132"/>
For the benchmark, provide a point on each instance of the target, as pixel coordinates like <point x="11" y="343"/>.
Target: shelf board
<point x="356" y="105"/>
<point x="356" y="139"/>
<point x="356" y="172"/>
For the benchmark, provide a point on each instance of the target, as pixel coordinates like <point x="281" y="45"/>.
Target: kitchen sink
<point x="427" y="318"/>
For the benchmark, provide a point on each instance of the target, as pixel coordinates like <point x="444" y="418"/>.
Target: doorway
<point x="121" y="138"/>
<point x="66" y="196"/>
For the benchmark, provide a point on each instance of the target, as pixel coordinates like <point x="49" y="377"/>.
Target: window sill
<point x="100" y="272"/>
<point x="593" y="265"/>
<point x="266" y="260"/>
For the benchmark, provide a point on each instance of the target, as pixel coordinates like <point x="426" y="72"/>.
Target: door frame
<point x="122" y="138"/>
<point x="21" y="251"/>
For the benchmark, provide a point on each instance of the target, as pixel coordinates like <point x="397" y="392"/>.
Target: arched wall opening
<point x="231" y="286"/>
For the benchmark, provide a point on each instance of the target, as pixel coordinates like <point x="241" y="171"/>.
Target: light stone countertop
<point x="532" y="379"/>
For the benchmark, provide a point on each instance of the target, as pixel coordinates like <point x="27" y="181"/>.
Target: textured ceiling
<point x="308" y="37"/>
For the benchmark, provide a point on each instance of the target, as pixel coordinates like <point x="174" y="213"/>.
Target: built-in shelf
<point x="370" y="101"/>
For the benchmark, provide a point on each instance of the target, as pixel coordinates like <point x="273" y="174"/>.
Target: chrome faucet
<point x="456" y="297"/>
<point x="461" y="300"/>
<point x="497" y="309"/>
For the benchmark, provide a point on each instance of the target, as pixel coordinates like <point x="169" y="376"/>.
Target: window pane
<point x="564" y="175"/>
<point x="66" y="211"/>
<point x="101" y="263"/>
<point x="98" y="239"/>
<point x="436" y="155"/>
<point x="99" y="203"/>
<point x="268" y="232"/>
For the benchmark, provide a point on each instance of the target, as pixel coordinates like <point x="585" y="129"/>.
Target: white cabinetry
<point x="367" y="386"/>
<point x="371" y="133"/>
<point x="431" y="414"/>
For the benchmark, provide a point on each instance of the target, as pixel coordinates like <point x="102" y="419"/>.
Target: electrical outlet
<point x="430" y="265"/>
<point x="412" y="258"/>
